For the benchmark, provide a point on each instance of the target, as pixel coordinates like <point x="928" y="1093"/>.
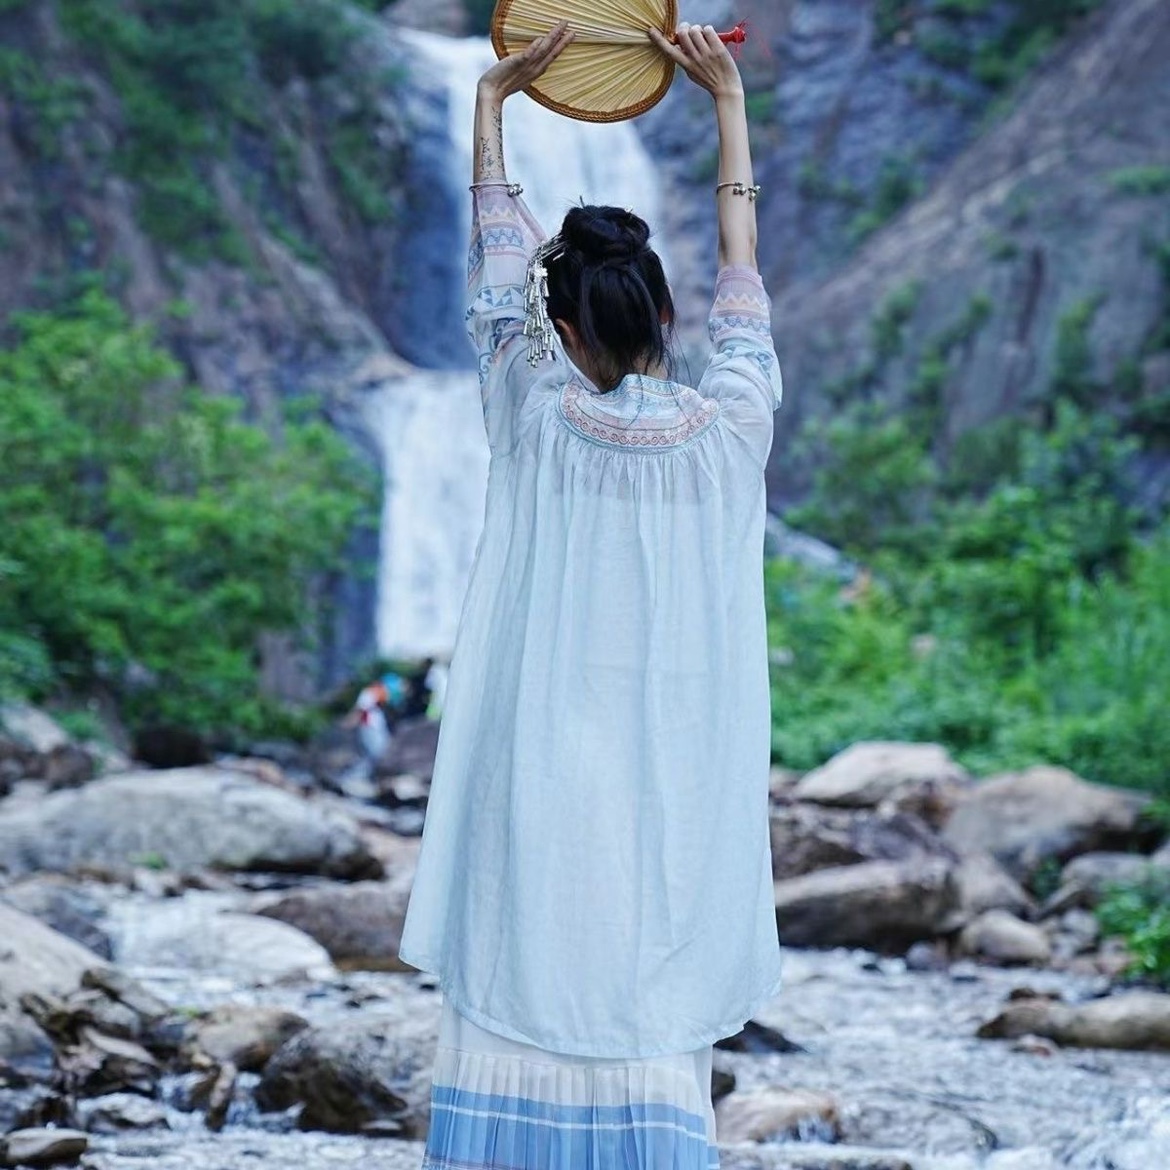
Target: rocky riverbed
<point x="198" y="969"/>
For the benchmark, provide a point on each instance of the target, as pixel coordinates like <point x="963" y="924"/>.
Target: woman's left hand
<point x="519" y="71"/>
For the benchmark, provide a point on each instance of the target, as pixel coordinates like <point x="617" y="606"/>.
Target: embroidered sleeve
<point x="504" y="234"/>
<point x="744" y="372"/>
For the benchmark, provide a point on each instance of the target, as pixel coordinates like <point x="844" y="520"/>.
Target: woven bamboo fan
<point x="611" y="71"/>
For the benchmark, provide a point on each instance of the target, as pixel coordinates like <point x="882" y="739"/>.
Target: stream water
<point x="896" y="1047"/>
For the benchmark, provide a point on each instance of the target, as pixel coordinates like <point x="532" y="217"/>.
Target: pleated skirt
<point x="500" y="1105"/>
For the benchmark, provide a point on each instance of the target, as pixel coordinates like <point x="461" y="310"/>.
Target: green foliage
<point x="890" y="17"/>
<point x="1160" y="338"/>
<point x="925" y="392"/>
<point x="870" y="486"/>
<point x="149" y="534"/>
<point x="479" y="16"/>
<point x="1151" y="180"/>
<point x="961" y="7"/>
<point x="1061" y="670"/>
<point x="761" y="107"/>
<point x="706" y="167"/>
<point x="1000" y="52"/>
<point x="349" y="150"/>
<point x="81" y="724"/>
<point x="948" y="48"/>
<point x="1072" y="375"/>
<point x="896" y="185"/>
<point x="52" y="104"/>
<point x="1044" y="880"/>
<point x="196" y="77"/>
<point x="814" y="182"/>
<point x="1001" y="247"/>
<point x="1140" y="915"/>
<point x="1015" y="614"/>
<point x="892" y="317"/>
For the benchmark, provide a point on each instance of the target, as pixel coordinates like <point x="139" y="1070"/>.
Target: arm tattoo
<point x="489" y="143"/>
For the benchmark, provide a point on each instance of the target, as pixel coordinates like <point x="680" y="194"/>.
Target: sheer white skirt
<point x="500" y="1105"/>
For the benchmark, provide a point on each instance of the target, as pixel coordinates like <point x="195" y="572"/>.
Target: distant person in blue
<point x="594" y="890"/>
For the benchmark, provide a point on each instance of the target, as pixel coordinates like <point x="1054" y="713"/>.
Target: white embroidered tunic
<point x="595" y="876"/>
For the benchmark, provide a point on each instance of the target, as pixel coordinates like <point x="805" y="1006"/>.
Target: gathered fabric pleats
<point x="497" y="1104"/>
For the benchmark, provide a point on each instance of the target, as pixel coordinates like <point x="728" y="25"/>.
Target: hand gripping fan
<point x="612" y="70"/>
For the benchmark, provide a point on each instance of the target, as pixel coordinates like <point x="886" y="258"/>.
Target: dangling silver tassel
<point x="537" y="327"/>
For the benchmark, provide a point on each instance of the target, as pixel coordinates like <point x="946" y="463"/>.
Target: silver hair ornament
<point x="537" y="327"/>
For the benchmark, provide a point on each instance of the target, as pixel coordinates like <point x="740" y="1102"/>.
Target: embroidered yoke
<point x="595" y="876"/>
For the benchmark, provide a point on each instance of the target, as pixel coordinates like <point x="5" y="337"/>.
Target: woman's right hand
<point x="517" y="72"/>
<point x="706" y="60"/>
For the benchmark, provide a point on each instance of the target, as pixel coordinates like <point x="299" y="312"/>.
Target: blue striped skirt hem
<point x="500" y="1105"/>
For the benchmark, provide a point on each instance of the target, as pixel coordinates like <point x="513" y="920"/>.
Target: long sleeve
<point x="504" y="234"/>
<point x="744" y="372"/>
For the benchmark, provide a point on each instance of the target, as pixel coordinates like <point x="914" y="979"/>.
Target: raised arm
<point x="706" y="60"/>
<point x="506" y="77"/>
<point x="504" y="236"/>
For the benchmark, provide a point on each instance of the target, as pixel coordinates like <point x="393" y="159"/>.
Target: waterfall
<point x="428" y="424"/>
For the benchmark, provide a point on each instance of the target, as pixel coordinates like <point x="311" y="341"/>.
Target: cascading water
<point x="428" y="424"/>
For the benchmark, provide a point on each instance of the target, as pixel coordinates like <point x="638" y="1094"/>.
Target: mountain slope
<point x="1044" y="244"/>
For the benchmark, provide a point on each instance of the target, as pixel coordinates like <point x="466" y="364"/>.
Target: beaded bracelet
<point x="513" y="189"/>
<point x="739" y="188"/>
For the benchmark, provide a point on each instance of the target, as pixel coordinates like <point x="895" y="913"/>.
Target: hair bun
<point x="601" y="235"/>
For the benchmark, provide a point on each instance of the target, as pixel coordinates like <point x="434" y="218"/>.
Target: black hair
<point x="609" y="284"/>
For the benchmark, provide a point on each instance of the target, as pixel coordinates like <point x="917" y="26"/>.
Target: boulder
<point x="68" y="907"/>
<point x="807" y="837"/>
<point x="186" y="820"/>
<point x="781" y="782"/>
<point x="1075" y="932"/>
<point x="33" y="745"/>
<point x="1001" y="937"/>
<point x="243" y="1035"/>
<point x="881" y="905"/>
<point x="42" y="1147"/>
<point x="359" y="925"/>
<point x="96" y="1063"/>
<point x="1132" y="1019"/>
<point x="355" y="1075"/>
<point x="25" y="1050"/>
<point x="722" y="1081"/>
<point x="35" y="958"/>
<point x="119" y="1112"/>
<point x="758" y="1038"/>
<point x="32" y="728"/>
<point x="197" y="934"/>
<point x="26" y="1104"/>
<point x="776" y="1113"/>
<point x="913" y="777"/>
<point x="983" y="884"/>
<point x="1084" y="880"/>
<point x="1026" y="818"/>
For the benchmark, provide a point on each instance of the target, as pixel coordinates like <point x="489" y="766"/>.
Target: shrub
<point x="1140" y="914"/>
<point x="150" y="534"/>
<point x="895" y="186"/>
<point x="1150" y="180"/>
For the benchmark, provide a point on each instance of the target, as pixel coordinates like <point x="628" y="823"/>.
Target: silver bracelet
<point x="739" y="188"/>
<point x="513" y="189"/>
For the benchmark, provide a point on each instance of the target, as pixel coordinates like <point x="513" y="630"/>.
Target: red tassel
<point x="737" y="36"/>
